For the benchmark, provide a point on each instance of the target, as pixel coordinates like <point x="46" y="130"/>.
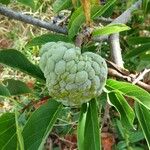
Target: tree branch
<point x="103" y="19"/>
<point x="114" y="38"/>
<point x="31" y="20"/>
<point x="50" y="26"/>
<point x="123" y="18"/>
<point x="126" y="15"/>
<point x="116" y="55"/>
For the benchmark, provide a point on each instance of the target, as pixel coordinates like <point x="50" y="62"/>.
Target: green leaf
<point x="109" y="29"/>
<point x="40" y="40"/>
<point x="16" y="87"/>
<point x="139" y="50"/>
<point x="136" y="136"/>
<point x="81" y="126"/>
<point x="8" y="137"/>
<point x="143" y="115"/>
<point x="89" y="121"/>
<point x="103" y="9"/>
<point x="126" y="112"/>
<point x="4" y="91"/>
<point x="18" y="132"/>
<point x="92" y="132"/>
<point x="29" y="3"/>
<point x="74" y="15"/>
<point x="40" y="125"/>
<point x="78" y="18"/>
<point x="148" y="8"/>
<point x="61" y="4"/>
<point x="145" y="57"/>
<point x="130" y="90"/>
<point x="144" y="62"/>
<point x="6" y="2"/>
<point x="16" y="59"/>
<point x="138" y="40"/>
<point x="109" y="12"/>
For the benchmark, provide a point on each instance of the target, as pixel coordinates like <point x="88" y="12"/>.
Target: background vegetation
<point x="117" y="30"/>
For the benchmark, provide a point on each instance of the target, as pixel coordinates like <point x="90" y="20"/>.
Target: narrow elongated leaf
<point x="16" y="59"/>
<point x="74" y="15"/>
<point x="16" y="87"/>
<point x="81" y="126"/>
<point x="128" y="89"/>
<point x="40" y="124"/>
<point x="109" y="29"/>
<point x="92" y="132"/>
<point x="40" y="40"/>
<point x="78" y="18"/>
<point x="101" y="11"/>
<point x="4" y="91"/>
<point x="148" y="8"/>
<point x="18" y="132"/>
<point x="145" y="57"/>
<point x="145" y="5"/>
<point x="8" y="137"/>
<point x="126" y="112"/>
<point x="61" y="4"/>
<point x="139" y="50"/>
<point x="138" y="40"/>
<point x="143" y="115"/>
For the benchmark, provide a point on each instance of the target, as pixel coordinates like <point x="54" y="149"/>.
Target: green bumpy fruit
<point x="71" y="77"/>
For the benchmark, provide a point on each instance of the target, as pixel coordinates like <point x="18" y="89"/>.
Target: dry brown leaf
<point x="86" y="4"/>
<point x="108" y="140"/>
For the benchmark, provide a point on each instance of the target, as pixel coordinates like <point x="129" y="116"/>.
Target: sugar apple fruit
<point x="71" y="77"/>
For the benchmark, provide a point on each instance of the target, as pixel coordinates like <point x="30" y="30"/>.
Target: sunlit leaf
<point x="92" y="138"/>
<point x="109" y="29"/>
<point x="81" y="126"/>
<point x="130" y="90"/>
<point x="126" y="112"/>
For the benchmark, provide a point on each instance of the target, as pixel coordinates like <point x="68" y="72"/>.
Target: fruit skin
<point x="71" y="77"/>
